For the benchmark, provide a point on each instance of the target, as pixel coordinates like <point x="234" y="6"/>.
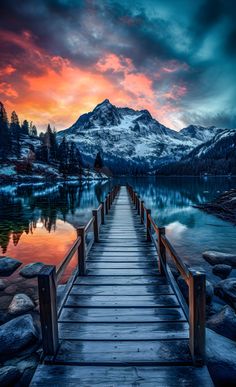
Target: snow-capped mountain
<point x="216" y="156"/>
<point x="200" y="133"/>
<point x="133" y="136"/>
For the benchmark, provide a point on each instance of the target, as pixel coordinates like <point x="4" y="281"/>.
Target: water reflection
<point x="38" y="222"/>
<point x="190" y="230"/>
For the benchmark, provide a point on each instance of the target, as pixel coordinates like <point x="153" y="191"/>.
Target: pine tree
<point x="5" y="137"/>
<point x="63" y="154"/>
<point x="25" y="127"/>
<point x="32" y="130"/>
<point x="51" y="144"/>
<point x="15" y="130"/>
<point x="98" y="163"/>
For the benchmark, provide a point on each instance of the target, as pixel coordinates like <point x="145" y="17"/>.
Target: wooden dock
<point x="121" y="322"/>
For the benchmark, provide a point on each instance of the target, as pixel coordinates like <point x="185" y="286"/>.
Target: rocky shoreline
<point x="224" y="206"/>
<point x="220" y="317"/>
<point x="20" y="332"/>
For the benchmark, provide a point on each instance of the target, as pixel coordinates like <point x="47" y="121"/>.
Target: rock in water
<point x="8" y="376"/>
<point x="8" y="265"/>
<point x="16" y="335"/>
<point x="31" y="270"/>
<point x="222" y="270"/>
<point x="21" y="303"/>
<point x="221" y="359"/>
<point x="3" y="284"/>
<point x="215" y="257"/>
<point x="224" y="322"/>
<point x="226" y="290"/>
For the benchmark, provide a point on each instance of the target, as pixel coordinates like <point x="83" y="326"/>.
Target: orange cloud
<point x="52" y="89"/>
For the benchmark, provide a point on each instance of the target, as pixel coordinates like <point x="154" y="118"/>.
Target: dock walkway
<point x="122" y="324"/>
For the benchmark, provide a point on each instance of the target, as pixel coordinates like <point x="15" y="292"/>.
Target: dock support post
<point x="142" y="211"/>
<point x="138" y="204"/>
<point x="106" y="205"/>
<point x="148" y="225"/>
<point x="162" y="250"/>
<point x="102" y="213"/>
<point x="81" y="251"/>
<point x="48" y="309"/>
<point x="197" y="310"/>
<point x="95" y="226"/>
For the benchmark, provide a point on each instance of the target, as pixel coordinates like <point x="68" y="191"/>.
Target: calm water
<point x="38" y="223"/>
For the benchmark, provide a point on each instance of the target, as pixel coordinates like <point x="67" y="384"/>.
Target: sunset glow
<point x="59" y="61"/>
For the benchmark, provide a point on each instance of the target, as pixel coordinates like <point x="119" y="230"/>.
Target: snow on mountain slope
<point x="219" y="143"/>
<point x="200" y="133"/>
<point x="131" y="135"/>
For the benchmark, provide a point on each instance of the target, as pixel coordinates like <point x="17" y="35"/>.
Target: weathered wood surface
<point x="94" y="376"/>
<point x="122" y="313"/>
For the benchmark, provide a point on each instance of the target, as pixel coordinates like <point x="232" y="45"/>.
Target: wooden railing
<point x="195" y="279"/>
<point x="50" y="275"/>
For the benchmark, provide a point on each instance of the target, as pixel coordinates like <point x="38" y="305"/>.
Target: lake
<point x="38" y="222"/>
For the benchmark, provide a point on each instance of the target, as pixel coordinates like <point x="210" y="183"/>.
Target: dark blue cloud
<point x="201" y="35"/>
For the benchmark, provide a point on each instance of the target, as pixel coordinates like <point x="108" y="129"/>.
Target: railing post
<point x="148" y="225"/>
<point x="162" y="250"/>
<point x="81" y="251"/>
<point x="106" y="205"/>
<point x="95" y="226"/>
<point x="142" y="211"/>
<point x="197" y="310"/>
<point x="109" y="200"/>
<point x="102" y="213"/>
<point x="47" y="287"/>
<point x="135" y="200"/>
<point x="138" y="204"/>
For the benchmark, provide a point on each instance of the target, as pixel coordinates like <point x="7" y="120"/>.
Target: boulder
<point x="31" y="270"/>
<point x="226" y="290"/>
<point x="21" y="303"/>
<point x="216" y="257"/>
<point x="222" y="270"/>
<point x="224" y="322"/>
<point x="221" y="359"/>
<point x="3" y="284"/>
<point x="8" y="265"/>
<point x="16" y="335"/>
<point x="8" y="376"/>
<point x="184" y="289"/>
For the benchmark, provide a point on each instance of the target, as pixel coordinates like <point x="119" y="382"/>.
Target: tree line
<point x="64" y="155"/>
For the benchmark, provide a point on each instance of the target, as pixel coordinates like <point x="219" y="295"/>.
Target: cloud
<point x="59" y="57"/>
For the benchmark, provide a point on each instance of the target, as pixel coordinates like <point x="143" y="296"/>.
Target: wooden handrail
<point x="49" y="276"/>
<point x="62" y="266"/>
<point x="195" y="279"/>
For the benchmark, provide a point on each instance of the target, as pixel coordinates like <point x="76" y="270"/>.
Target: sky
<point x="176" y="58"/>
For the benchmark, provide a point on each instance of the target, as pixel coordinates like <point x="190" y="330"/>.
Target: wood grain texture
<point x="152" y="376"/>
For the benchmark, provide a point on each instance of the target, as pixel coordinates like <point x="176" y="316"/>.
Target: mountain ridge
<point x="134" y="136"/>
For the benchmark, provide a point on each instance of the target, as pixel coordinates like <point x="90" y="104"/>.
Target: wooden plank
<point x="123" y="272"/>
<point x="122" y="301"/>
<point x="124" y="258"/>
<point x="120" y="280"/>
<point x="121" y="314"/>
<point x="121" y="265"/>
<point x="124" y="352"/>
<point x="152" y="376"/>
<point x="120" y="290"/>
<point x="124" y="331"/>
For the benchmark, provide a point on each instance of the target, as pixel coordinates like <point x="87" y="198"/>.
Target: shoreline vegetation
<point x="224" y="206"/>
